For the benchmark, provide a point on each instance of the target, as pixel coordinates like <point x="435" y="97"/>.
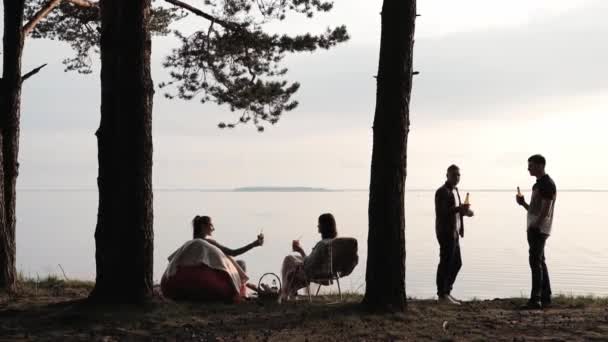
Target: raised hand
<point x="260" y="239"/>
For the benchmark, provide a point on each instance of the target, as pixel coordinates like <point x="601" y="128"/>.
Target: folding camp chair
<point x="337" y="261"/>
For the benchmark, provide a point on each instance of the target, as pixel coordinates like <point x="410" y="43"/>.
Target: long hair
<point x="197" y="225"/>
<point x="327" y="226"/>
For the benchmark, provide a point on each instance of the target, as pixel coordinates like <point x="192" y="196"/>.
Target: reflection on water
<point x="56" y="227"/>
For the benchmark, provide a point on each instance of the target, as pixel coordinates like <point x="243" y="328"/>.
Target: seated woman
<point x="202" y="228"/>
<point x="292" y="272"/>
<point x="202" y="269"/>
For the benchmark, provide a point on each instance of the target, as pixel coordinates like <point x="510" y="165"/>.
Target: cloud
<point x="488" y="79"/>
<point x="486" y="73"/>
<point x="469" y="74"/>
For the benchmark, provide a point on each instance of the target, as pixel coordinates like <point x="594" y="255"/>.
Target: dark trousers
<point x="541" y="285"/>
<point x="450" y="263"/>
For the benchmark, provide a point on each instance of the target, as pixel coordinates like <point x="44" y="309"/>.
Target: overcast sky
<point x="499" y="81"/>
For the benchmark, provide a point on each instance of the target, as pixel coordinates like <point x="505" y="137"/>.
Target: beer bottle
<point x="466" y="199"/>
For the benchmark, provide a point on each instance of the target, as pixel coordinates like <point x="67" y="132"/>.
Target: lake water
<point x="56" y="227"/>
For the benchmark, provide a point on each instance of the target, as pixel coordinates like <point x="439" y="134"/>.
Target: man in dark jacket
<point x="449" y="227"/>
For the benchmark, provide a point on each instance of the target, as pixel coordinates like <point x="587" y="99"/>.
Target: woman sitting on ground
<point x="202" y="269"/>
<point x="292" y="272"/>
<point x="202" y="228"/>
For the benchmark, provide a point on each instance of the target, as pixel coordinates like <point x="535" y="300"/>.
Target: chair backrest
<point x="337" y="257"/>
<point x="344" y="256"/>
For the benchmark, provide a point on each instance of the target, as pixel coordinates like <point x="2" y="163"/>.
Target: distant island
<point x="280" y="189"/>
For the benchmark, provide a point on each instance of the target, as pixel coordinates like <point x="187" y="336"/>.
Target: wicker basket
<point x="269" y="293"/>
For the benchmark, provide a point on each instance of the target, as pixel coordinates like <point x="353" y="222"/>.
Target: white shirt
<point x="458" y="222"/>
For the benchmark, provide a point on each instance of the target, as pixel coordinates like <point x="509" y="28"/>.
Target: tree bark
<point x="385" y="275"/>
<point x="124" y="235"/>
<point x="10" y="103"/>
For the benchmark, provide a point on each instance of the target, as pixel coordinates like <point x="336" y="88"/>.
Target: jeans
<point x="450" y="263"/>
<point x="541" y="285"/>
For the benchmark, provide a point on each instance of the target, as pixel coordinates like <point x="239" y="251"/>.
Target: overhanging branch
<point x="225" y="24"/>
<point x="49" y="7"/>
<point x="43" y="12"/>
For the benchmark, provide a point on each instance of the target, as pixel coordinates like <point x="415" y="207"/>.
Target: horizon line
<point x="292" y="189"/>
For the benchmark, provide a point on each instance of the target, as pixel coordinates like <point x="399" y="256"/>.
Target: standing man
<point x="449" y="227"/>
<point x="539" y="221"/>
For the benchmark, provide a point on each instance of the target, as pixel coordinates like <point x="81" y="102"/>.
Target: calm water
<point x="56" y="227"/>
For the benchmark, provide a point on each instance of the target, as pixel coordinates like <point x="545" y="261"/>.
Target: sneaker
<point x="532" y="305"/>
<point x="454" y="299"/>
<point x="447" y="299"/>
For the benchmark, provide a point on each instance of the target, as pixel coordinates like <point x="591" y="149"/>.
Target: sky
<point x="499" y="81"/>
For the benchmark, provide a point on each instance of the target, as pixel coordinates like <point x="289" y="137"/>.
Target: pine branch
<point x="50" y="6"/>
<point x="84" y="3"/>
<point x="225" y="24"/>
<point x="32" y="72"/>
<point x="43" y="12"/>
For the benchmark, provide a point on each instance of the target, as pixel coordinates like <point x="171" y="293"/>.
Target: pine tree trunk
<point x="10" y="103"/>
<point x="385" y="275"/>
<point x="124" y="235"/>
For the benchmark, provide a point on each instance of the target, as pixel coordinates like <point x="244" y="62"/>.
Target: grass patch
<point x="347" y="296"/>
<point x="54" y="285"/>
<point x="52" y="281"/>
<point x="54" y="312"/>
<point x="50" y="286"/>
<point x="579" y="301"/>
<point x="561" y="300"/>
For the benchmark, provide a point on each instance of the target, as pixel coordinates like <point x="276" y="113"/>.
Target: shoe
<point x="454" y="299"/>
<point x="532" y="305"/>
<point x="447" y="299"/>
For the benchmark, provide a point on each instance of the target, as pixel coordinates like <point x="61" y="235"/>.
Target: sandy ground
<point x="58" y="313"/>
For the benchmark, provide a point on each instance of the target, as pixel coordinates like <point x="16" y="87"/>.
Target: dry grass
<point x="49" y="286"/>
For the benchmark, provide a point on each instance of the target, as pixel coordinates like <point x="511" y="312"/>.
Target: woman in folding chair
<point x="292" y="272"/>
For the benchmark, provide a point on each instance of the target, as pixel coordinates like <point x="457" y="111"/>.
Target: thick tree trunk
<point x="385" y="276"/>
<point x="10" y="103"/>
<point x="124" y="235"/>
